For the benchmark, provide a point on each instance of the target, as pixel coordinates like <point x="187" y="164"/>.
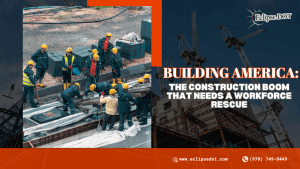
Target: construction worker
<point x="99" y="88"/>
<point x="111" y="104"/>
<point x="104" y="47"/>
<point x="116" y="65"/>
<point x="91" y="57"/>
<point x="29" y="84"/>
<point x="92" y="71"/>
<point x="139" y="104"/>
<point x="146" y="100"/>
<point x="67" y="96"/>
<point x="118" y="87"/>
<point x="40" y="57"/>
<point x="67" y="66"/>
<point x="124" y="107"/>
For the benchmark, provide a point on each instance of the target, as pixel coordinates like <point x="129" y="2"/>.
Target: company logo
<point x="258" y="17"/>
<point x="175" y="159"/>
<point x="245" y="159"/>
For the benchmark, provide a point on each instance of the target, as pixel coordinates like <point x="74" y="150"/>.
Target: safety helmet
<point x="125" y="86"/>
<point x="92" y="87"/>
<point x="141" y="80"/>
<point x="44" y="46"/>
<point x="108" y="34"/>
<point x="69" y="50"/>
<point x="77" y="84"/>
<point x="30" y="62"/>
<point x="114" y="50"/>
<point x="146" y="76"/>
<point x="96" y="56"/>
<point x="113" y="85"/>
<point x="112" y="91"/>
<point x="94" y="51"/>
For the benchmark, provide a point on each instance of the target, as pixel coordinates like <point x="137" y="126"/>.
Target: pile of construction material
<point x="55" y="63"/>
<point x="146" y="34"/>
<point x="131" y="50"/>
<point x="81" y="54"/>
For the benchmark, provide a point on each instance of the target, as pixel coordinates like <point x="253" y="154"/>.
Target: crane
<point x="162" y="80"/>
<point x="188" y="53"/>
<point x="12" y="87"/>
<point x="280" y="130"/>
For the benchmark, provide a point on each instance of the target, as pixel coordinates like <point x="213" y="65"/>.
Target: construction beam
<point x="243" y="116"/>
<point x="174" y="133"/>
<point x="208" y="131"/>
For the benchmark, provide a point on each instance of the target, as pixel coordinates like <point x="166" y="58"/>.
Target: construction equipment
<point x="12" y="87"/>
<point x="160" y="76"/>
<point x="188" y="53"/>
<point x="280" y="130"/>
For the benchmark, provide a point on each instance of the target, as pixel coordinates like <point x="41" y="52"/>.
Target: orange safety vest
<point x="105" y="44"/>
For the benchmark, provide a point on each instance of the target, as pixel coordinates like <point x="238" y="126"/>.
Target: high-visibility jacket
<point x="66" y="61"/>
<point x="26" y="79"/>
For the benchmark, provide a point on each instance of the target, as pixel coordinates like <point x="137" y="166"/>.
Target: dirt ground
<point x="60" y="36"/>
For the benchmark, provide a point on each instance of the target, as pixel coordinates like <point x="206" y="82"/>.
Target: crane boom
<point x="280" y="130"/>
<point x="194" y="31"/>
<point x="251" y="34"/>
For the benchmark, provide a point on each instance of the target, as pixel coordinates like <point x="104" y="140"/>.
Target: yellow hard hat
<point x="94" y="51"/>
<point x="113" y="85"/>
<point x="30" y="62"/>
<point x="114" y="50"/>
<point x="69" y="49"/>
<point x="146" y="76"/>
<point x="44" y="46"/>
<point x="108" y="34"/>
<point x="112" y="91"/>
<point x="125" y="86"/>
<point x="141" y="80"/>
<point x="77" y="84"/>
<point x="96" y="56"/>
<point x="92" y="87"/>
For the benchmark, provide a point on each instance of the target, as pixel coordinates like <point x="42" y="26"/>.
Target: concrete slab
<point x="124" y="72"/>
<point x="136" y="69"/>
<point x="147" y="66"/>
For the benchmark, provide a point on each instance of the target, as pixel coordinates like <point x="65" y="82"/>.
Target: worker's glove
<point x="122" y="67"/>
<point x="101" y="70"/>
<point x="114" y="71"/>
<point x="83" y="69"/>
<point x="70" y="67"/>
<point x="102" y="93"/>
<point x="35" y="85"/>
<point x="82" y="94"/>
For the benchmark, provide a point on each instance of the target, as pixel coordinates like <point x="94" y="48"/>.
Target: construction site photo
<point x="87" y="77"/>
